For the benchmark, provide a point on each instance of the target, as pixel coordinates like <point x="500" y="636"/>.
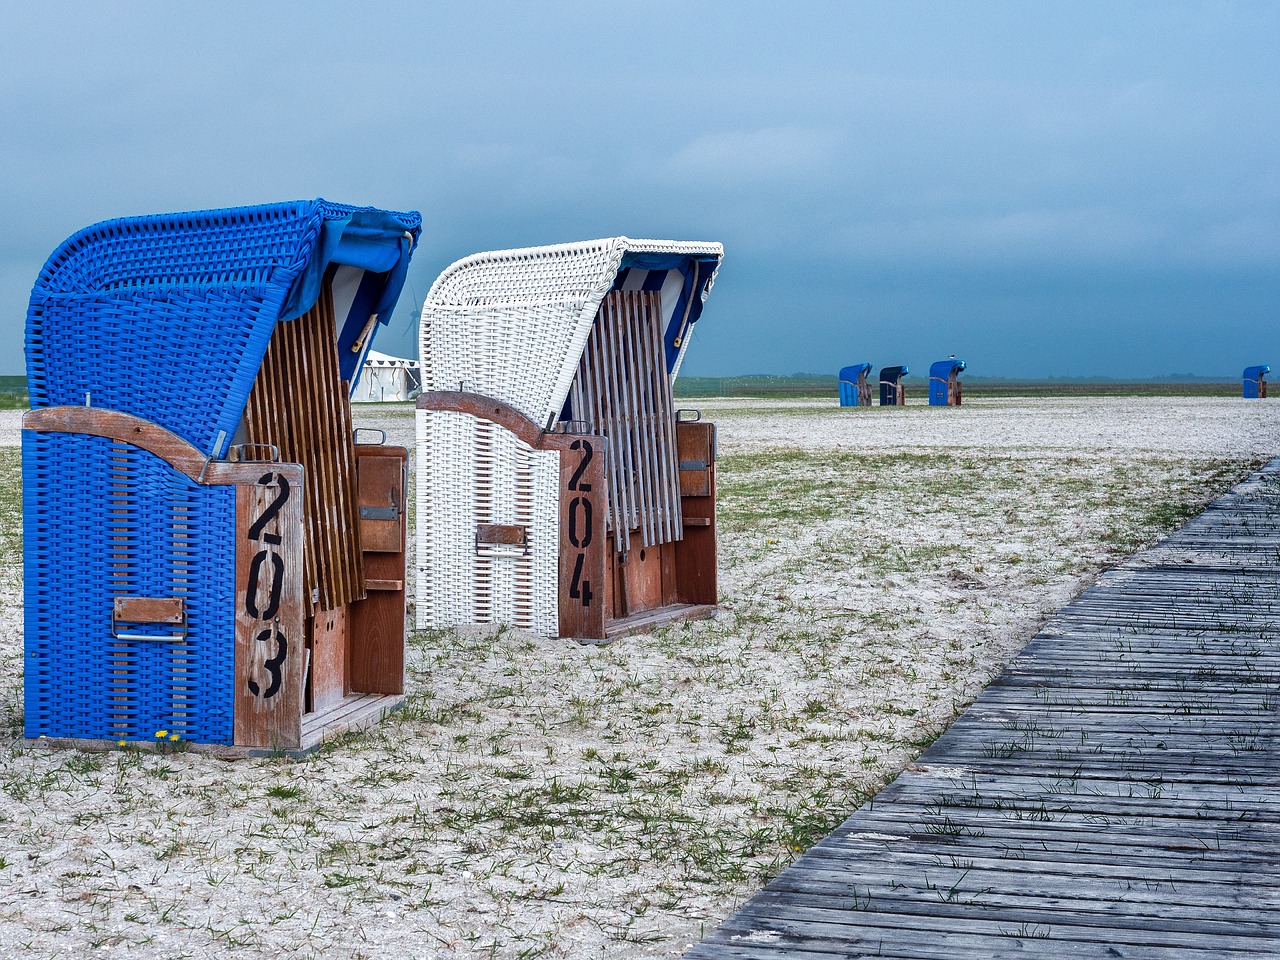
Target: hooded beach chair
<point x="1255" y="383"/>
<point x="209" y="557"/>
<point x="854" y="389"/>
<point x="558" y="489"/>
<point x="893" y="392"/>
<point x="944" y="383"/>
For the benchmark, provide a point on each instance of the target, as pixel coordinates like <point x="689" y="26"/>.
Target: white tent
<point x="384" y="379"/>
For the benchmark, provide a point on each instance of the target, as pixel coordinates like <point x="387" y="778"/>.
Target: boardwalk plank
<point x="1113" y="793"/>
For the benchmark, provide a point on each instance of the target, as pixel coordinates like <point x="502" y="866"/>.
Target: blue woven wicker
<point x="103" y="519"/>
<point x="168" y="317"/>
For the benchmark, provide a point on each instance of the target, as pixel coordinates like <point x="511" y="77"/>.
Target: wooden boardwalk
<point x="1114" y="793"/>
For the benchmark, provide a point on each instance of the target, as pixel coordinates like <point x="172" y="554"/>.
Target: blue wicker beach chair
<point x="854" y="389"/>
<point x="893" y="392"/>
<point x="944" y="383"/>
<point x="196" y="549"/>
<point x="1255" y="383"/>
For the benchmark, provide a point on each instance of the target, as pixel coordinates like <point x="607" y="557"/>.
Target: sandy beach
<point x="537" y="798"/>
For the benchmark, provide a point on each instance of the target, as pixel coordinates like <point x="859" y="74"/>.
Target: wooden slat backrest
<point x="623" y="391"/>
<point x="300" y="404"/>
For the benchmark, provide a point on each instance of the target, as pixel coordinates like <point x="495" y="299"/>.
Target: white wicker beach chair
<point x="518" y="399"/>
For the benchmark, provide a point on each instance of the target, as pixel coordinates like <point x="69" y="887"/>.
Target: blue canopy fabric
<point x="682" y="279"/>
<point x="893" y="374"/>
<point x="168" y="316"/>
<point x="939" y="377"/>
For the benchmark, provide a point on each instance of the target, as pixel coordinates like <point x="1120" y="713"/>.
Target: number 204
<point x="581" y="522"/>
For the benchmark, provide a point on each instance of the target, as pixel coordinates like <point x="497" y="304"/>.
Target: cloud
<point x="768" y="154"/>
<point x="1096" y="234"/>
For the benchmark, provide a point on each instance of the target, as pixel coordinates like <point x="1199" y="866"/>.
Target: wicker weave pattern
<point x="167" y="317"/>
<point x="104" y="519"/>
<point x="136" y="354"/>
<point x="471" y="472"/>
<point x="512" y="324"/>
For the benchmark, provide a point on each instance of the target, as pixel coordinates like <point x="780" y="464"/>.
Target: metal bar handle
<point x="381" y="441"/>
<point x="239" y="453"/>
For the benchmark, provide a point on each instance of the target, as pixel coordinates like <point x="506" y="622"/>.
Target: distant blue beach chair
<point x="893" y="392"/>
<point x="854" y="389"/>
<point x="944" y="383"/>
<point x="1255" y="386"/>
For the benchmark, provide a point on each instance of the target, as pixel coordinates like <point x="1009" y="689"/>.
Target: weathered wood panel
<point x="271" y="654"/>
<point x="1111" y="794"/>
<point x="584" y="587"/>
<point x="375" y="640"/>
<point x="329" y="668"/>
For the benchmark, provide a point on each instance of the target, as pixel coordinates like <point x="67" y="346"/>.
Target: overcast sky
<point x="1042" y="189"/>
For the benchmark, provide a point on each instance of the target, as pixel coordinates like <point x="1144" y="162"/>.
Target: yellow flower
<point x="122" y="743"/>
<point x="174" y="736"/>
<point x="161" y="734"/>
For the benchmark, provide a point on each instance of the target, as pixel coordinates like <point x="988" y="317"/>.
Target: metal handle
<point x="381" y="441"/>
<point x="170" y="638"/>
<point x="509" y="540"/>
<point x="238" y="453"/>
<point x="573" y="427"/>
<point x="681" y="418"/>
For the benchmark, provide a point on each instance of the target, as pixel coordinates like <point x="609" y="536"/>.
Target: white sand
<point x="538" y="798"/>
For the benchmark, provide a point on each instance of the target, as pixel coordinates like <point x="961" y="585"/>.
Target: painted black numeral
<point x="272" y="509"/>
<point x="575" y="482"/>
<point x="580" y="506"/>
<point x="273" y="593"/>
<point x="272" y="664"/>
<point x="579" y="588"/>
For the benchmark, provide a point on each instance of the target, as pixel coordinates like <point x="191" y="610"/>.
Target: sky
<point x="1070" y="189"/>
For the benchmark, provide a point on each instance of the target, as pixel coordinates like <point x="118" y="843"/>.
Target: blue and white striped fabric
<point x="682" y="282"/>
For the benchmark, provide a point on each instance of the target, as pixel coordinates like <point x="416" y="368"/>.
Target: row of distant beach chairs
<point x="945" y="388"/>
<point x="944" y="384"/>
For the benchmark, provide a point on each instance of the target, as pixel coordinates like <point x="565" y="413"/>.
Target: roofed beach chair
<point x="1255" y="382"/>
<point x="209" y="557"/>
<point x="855" y="391"/>
<point x="893" y="392"/>
<point x="558" y="488"/>
<point x="944" y="383"/>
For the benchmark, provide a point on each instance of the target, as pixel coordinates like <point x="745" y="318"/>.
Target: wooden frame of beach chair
<point x="559" y="490"/>
<point x="239" y="581"/>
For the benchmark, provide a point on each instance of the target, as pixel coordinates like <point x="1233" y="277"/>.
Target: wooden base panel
<point x="649" y="620"/>
<point x="360" y="711"/>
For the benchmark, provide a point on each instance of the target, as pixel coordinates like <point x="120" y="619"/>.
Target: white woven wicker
<point x="511" y="324"/>
<point x="471" y="471"/>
